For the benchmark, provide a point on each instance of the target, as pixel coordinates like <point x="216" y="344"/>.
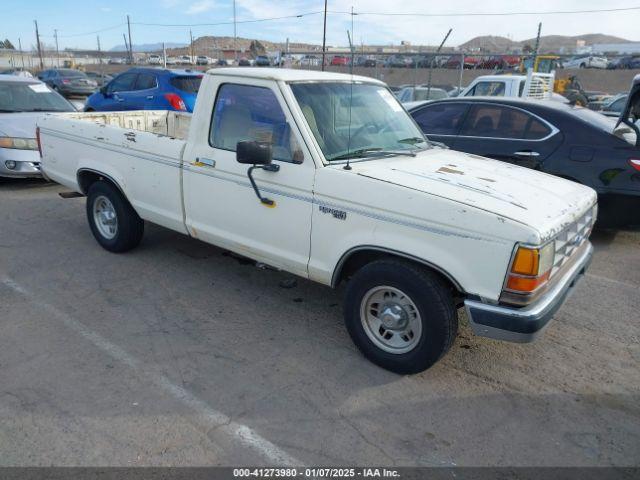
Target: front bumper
<point x="27" y="163"/>
<point x="524" y="324"/>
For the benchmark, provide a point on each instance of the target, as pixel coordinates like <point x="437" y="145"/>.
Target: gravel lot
<point x="178" y="354"/>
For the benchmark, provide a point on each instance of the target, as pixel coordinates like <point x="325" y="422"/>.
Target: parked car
<point x="586" y="61"/>
<point x="222" y="62"/>
<point x="154" y="59"/>
<point x="564" y="140"/>
<point x="340" y="60"/>
<point x="99" y="78"/>
<point x="416" y="94"/>
<point x="144" y="88"/>
<point x="117" y="61"/>
<point x="539" y="87"/>
<point x="202" y="60"/>
<point x="614" y="106"/>
<point x="262" y="61"/>
<point x="469" y="62"/>
<point x="368" y="62"/>
<point x="173" y="61"/>
<point x="23" y="101"/>
<point x="20" y="72"/>
<point x="244" y="62"/>
<point x="398" y="61"/>
<point x="68" y="81"/>
<point x="185" y="60"/>
<point x="625" y="63"/>
<point x="310" y="61"/>
<point x="415" y="231"/>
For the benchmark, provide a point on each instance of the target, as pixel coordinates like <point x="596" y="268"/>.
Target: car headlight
<point x="18" y="143"/>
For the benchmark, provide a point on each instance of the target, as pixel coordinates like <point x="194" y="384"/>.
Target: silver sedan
<point x="22" y="102"/>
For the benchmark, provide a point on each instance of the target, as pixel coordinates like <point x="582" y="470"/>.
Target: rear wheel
<point x="113" y="221"/>
<point x="400" y="315"/>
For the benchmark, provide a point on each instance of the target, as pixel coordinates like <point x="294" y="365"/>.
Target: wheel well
<point x="353" y="261"/>
<point x="86" y="178"/>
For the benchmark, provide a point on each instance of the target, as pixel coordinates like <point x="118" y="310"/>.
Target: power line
<point x="256" y="20"/>
<point x="489" y="14"/>
<point x="89" y="33"/>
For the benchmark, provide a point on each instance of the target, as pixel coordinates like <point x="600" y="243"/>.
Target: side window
<point x="244" y="112"/>
<point x="491" y="89"/>
<point x="145" y="81"/>
<point x="503" y="122"/>
<point x="441" y="118"/>
<point x="122" y="83"/>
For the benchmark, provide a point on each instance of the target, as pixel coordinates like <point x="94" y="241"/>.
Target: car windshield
<point x="376" y="124"/>
<point x="30" y="97"/>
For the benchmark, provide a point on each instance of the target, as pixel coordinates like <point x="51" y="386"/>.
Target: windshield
<point x="376" y="122"/>
<point x="31" y="97"/>
<point x="69" y="73"/>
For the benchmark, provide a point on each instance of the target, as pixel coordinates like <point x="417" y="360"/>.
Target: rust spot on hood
<point x="449" y="170"/>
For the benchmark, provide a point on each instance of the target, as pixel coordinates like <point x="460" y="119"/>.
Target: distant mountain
<point x="548" y="43"/>
<point x="148" y="47"/>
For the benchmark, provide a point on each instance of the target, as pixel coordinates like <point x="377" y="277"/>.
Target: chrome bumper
<point x="524" y="324"/>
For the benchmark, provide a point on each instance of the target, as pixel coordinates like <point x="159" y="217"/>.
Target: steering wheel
<point x="369" y="128"/>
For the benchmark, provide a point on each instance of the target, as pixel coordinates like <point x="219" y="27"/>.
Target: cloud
<point x="200" y="7"/>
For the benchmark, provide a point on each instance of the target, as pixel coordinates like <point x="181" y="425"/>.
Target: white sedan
<point x="586" y="61"/>
<point x="22" y="101"/>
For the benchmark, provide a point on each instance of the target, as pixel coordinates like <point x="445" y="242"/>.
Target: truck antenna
<point x="348" y="166"/>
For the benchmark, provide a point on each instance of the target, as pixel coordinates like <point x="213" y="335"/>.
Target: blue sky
<point x="74" y="18"/>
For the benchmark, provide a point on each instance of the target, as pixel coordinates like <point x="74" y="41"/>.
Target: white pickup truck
<point x="326" y="176"/>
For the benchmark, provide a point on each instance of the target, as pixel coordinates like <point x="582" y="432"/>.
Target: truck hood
<point x="22" y="125"/>
<point x="541" y="201"/>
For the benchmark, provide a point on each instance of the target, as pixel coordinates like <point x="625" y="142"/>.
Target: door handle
<point x="149" y="97"/>
<point x="204" y="162"/>
<point x="120" y="99"/>
<point x="526" y="153"/>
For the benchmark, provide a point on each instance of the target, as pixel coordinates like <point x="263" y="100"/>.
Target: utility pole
<point x="191" y="48"/>
<point x="20" y="49"/>
<point x="39" y="46"/>
<point x="431" y="63"/>
<point x="99" y="54"/>
<point x="164" y="56"/>
<point x="235" y="33"/>
<point x="130" y="44"/>
<point x="324" y="35"/>
<point x="126" y="45"/>
<point x="535" y="51"/>
<point x="55" y="35"/>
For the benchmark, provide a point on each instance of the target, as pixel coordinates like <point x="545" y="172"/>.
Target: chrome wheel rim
<point x="104" y="217"/>
<point x="390" y="319"/>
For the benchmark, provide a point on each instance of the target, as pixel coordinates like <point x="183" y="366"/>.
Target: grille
<point x="571" y="239"/>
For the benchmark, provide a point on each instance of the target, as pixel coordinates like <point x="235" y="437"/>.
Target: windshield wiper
<point x="362" y="153"/>
<point x="413" y="140"/>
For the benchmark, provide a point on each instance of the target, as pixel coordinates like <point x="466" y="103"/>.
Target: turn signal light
<point x="635" y="163"/>
<point x="530" y="268"/>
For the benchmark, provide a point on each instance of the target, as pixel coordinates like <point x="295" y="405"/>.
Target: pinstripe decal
<point x="169" y="161"/>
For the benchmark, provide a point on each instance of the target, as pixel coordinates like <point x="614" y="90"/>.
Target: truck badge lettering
<point x="339" y="214"/>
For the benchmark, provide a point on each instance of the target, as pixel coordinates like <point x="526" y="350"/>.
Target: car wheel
<point x="582" y="65"/>
<point x="401" y="316"/>
<point x="113" y="221"/>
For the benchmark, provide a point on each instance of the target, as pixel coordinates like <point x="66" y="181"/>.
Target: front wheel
<point x="400" y="315"/>
<point x="113" y="221"/>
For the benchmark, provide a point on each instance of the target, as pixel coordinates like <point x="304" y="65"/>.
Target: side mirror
<point x="258" y="155"/>
<point x="253" y="153"/>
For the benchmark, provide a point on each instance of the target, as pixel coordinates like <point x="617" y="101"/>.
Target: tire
<point x="114" y="223"/>
<point x="583" y="65"/>
<point x="576" y="98"/>
<point x="431" y="330"/>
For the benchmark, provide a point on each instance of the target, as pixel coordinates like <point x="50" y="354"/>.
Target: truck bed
<point x="161" y="122"/>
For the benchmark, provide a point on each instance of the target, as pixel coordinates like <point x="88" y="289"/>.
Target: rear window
<point x="189" y="84"/>
<point x="594" y="118"/>
<point x="68" y="73"/>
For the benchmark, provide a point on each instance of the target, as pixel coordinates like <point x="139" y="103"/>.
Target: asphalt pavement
<point x="178" y="353"/>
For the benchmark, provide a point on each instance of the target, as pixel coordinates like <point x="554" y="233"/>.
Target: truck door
<point x="220" y="203"/>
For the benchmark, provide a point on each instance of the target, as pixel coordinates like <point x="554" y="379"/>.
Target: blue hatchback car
<point x="147" y="89"/>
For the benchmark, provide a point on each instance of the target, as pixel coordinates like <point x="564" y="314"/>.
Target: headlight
<point x="18" y="143"/>
<point x="530" y="268"/>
